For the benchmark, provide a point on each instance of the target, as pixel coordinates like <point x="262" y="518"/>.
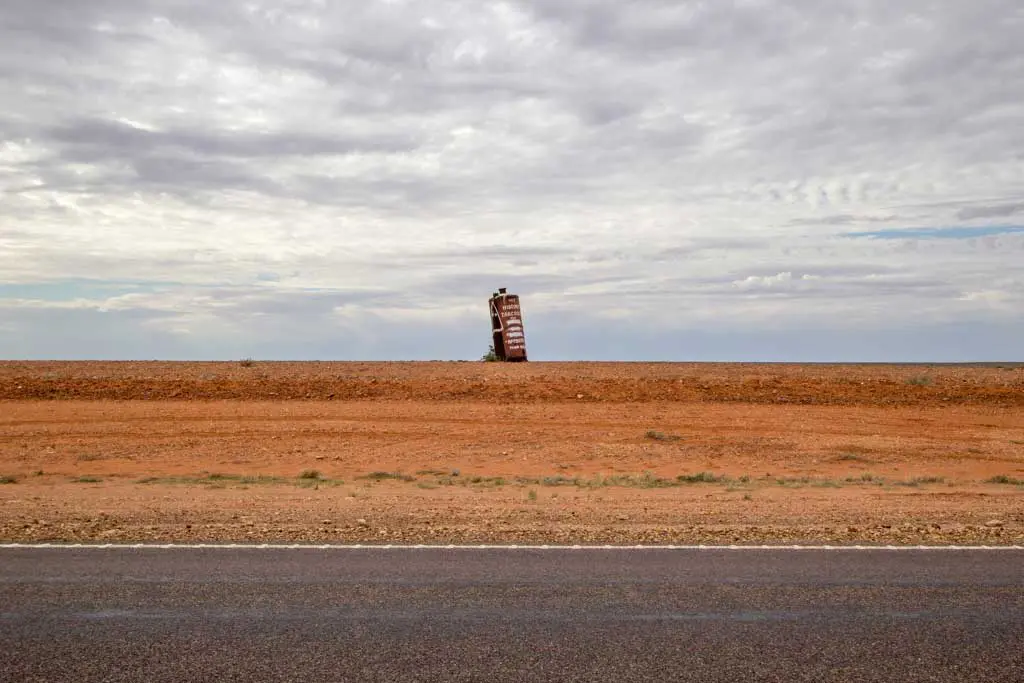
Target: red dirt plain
<point x="442" y="452"/>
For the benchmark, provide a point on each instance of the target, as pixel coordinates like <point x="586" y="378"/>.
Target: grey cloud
<point x="820" y="269"/>
<point x="843" y="219"/>
<point x="991" y="211"/>
<point x="159" y="172"/>
<point x="694" y="247"/>
<point x="490" y="255"/>
<point x="825" y="284"/>
<point x="483" y="282"/>
<point x="393" y="72"/>
<point x="272" y="305"/>
<point x="183" y="174"/>
<point x="194" y="161"/>
<point x="97" y="138"/>
<point x="659" y="26"/>
<point x="395" y="192"/>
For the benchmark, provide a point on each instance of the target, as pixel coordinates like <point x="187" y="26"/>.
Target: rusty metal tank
<point x="507" y="332"/>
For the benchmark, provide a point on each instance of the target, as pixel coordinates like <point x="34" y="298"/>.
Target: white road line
<point x="301" y="546"/>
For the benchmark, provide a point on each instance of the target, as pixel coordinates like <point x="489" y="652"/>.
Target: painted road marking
<point x="311" y="546"/>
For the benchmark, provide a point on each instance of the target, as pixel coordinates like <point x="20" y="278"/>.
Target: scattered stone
<point x="994" y="523"/>
<point x="362" y="522"/>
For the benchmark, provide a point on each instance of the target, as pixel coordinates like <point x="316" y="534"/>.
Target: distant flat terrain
<point x="511" y="615"/>
<point x="1000" y="384"/>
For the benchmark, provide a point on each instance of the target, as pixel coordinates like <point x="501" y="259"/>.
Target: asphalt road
<point x="510" y="615"/>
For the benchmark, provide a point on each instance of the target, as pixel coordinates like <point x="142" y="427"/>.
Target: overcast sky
<point x="667" y="180"/>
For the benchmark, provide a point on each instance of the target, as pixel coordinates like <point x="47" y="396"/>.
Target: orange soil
<point x="869" y="385"/>
<point x="811" y="453"/>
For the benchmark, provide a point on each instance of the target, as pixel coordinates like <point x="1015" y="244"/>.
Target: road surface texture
<point x="251" y="614"/>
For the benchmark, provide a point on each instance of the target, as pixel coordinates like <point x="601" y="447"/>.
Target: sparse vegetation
<point x="247" y="362"/>
<point x="87" y="480"/>
<point x="383" y="476"/>
<point x="1005" y="479"/>
<point x="701" y="478"/>
<point x="8" y="479"/>
<point x="647" y="480"/>
<point x="852" y="457"/>
<point x="533" y="494"/>
<point x="661" y="436"/>
<point x="491" y="356"/>
<point x="917" y="481"/>
<point x="865" y="478"/>
<point x="558" y="480"/>
<point x="487" y="481"/>
<point x="793" y="481"/>
<point x="221" y="480"/>
<point x="920" y="381"/>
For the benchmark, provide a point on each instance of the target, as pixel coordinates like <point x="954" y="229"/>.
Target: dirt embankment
<point x="849" y="385"/>
<point x="534" y="453"/>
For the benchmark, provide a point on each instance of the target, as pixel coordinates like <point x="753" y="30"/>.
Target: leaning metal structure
<point x="507" y="327"/>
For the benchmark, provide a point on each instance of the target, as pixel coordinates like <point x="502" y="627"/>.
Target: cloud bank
<point x="752" y="180"/>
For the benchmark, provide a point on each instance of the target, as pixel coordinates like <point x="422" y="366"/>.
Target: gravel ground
<point x="535" y="453"/>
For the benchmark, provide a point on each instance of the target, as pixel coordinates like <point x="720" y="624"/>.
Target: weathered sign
<point x="507" y="327"/>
